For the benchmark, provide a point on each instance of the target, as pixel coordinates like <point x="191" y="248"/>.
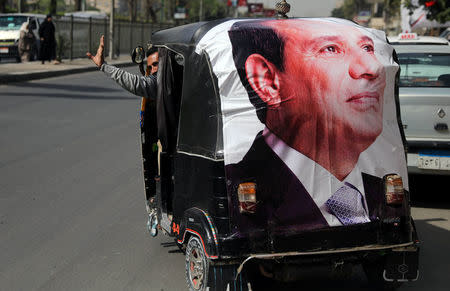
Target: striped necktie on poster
<point x="347" y="205"/>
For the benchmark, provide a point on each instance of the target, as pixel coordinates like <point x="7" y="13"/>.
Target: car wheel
<point x="197" y="265"/>
<point x="374" y="273"/>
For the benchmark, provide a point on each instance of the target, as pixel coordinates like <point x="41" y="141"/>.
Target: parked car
<point x="424" y="88"/>
<point x="10" y="32"/>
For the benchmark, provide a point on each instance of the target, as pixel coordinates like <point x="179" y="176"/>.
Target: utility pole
<point x="200" y="13"/>
<point x="111" y="32"/>
<point x="19" y="5"/>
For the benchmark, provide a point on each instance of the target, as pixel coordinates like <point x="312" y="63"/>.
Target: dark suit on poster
<point x="283" y="201"/>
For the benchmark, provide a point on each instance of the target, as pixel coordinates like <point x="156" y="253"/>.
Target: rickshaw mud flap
<point x="198" y="222"/>
<point x="396" y="247"/>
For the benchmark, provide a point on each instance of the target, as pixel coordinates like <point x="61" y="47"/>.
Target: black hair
<point x="253" y="37"/>
<point x="151" y="50"/>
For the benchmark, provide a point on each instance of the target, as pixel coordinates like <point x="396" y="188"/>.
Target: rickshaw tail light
<point x="394" y="189"/>
<point x="247" y="197"/>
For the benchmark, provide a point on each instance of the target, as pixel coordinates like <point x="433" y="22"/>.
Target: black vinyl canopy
<point x="189" y="113"/>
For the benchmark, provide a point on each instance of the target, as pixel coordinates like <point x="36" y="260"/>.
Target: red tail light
<point x="247" y="197"/>
<point x="394" y="189"/>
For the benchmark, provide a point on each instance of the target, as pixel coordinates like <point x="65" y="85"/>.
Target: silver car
<point x="425" y="103"/>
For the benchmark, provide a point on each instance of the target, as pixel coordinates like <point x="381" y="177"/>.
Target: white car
<point x="424" y="90"/>
<point x="10" y="32"/>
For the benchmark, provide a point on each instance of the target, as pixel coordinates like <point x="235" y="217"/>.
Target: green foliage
<point x="349" y="9"/>
<point x="392" y="7"/>
<point x="46" y="6"/>
<point x="212" y="9"/>
<point x="440" y="11"/>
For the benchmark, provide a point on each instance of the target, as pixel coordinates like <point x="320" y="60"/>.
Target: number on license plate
<point x="433" y="162"/>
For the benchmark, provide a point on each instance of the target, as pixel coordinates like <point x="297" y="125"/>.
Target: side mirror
<point x="138" y="55"/>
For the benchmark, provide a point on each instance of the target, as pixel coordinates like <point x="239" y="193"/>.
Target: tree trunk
<point x="77" y="5"/>
<point x="52" y="8"/>
<point x="2" y="6"/>
<point x="131" y="10"/>
<point x="149" y="12"/>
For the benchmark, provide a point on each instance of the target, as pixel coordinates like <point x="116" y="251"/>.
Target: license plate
<point x="433" y="162"/>
<point x="3" y="50"/>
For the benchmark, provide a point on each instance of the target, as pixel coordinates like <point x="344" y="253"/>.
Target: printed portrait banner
<point x="309" y="120"/>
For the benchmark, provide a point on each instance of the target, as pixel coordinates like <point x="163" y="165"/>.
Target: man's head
<point x="152" y="59"/>
<point x="328" y="85"/>
<point x="49" y="17"/>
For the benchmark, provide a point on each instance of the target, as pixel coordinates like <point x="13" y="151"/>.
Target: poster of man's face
<point x="308" y="110"/>
<point x="324" y="82"/>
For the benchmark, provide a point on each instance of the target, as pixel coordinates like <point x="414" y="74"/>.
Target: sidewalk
<point x="19" y="72"/>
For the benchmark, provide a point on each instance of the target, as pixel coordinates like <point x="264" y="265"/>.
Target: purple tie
<point x="347" y="205"/>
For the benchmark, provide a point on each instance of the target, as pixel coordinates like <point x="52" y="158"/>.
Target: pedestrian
<point x="26" y="42"/>
<point x="48" y="42"/>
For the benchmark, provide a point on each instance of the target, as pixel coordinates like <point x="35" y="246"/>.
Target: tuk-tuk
<point x="280" y="147"/>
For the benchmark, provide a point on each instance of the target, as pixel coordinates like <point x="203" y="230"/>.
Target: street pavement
<point x="72" y="202"/>
<point x="26" y="71"/>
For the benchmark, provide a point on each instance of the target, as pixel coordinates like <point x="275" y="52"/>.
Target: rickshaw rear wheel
<point x="374" y="273"/>
<point x="197" y="265"/>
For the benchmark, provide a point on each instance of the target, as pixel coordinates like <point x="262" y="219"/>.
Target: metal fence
<point x="76" y="36"/>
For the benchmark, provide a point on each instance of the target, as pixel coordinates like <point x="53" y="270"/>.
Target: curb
<point x="6" y="79"/>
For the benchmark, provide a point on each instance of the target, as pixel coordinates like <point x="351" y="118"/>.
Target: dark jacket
<point x="283" y="202"/>
<point x="47" y="32"/>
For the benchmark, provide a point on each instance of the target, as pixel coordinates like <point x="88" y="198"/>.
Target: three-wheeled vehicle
<point x="280" y="148"/>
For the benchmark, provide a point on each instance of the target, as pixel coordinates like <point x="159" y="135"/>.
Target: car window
<point x="12" y="22"/>
<point x="424" y="70"/>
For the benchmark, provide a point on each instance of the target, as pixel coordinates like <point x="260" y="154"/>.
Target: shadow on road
<point x="320" y="282"/>
<point x="73" y="87"/>
<point x="175" y="249"/>
<point x="434" y="255"/>
<point x="69" y="96"/>
<point x="429" y="191"/>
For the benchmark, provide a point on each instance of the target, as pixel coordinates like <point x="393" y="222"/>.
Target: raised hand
<point x="99" y="58"/>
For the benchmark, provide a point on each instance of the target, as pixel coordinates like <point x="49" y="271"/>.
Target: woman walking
<point x="26" y="42"/>
<point x="48" y="43"/>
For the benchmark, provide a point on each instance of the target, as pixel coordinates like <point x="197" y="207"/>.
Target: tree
<point x="3" y="6"/>
<point x="349" y="9"/>
<point x="212" y="9"/>
<point x="52" y="7"/>
<point x="77" y="5"/>
<point x="436" y="9"/>
<point x="132" y="9"/>
<point x="150" y="11"/>
<point x="391" y="9"/>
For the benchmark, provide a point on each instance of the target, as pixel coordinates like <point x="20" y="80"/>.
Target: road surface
<point x="72" y="212"/>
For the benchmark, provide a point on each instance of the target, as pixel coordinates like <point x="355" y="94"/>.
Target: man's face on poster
<point x="332" y="84"/>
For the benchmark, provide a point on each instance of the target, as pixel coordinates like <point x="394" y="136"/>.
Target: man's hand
<point x="99" y="58"/>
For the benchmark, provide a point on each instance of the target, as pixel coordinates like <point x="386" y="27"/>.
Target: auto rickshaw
<point x="242" y="124"/>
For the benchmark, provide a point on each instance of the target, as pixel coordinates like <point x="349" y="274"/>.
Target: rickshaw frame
<point x="190" y="197"/>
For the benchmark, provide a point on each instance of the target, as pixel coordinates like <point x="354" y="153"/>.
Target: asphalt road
<point x="72" y="212"/>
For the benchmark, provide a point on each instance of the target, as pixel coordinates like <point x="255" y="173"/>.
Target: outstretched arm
<point x="137" y="85"/>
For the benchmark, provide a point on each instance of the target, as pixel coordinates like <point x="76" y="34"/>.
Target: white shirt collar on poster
<point x="319" y="183"/>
